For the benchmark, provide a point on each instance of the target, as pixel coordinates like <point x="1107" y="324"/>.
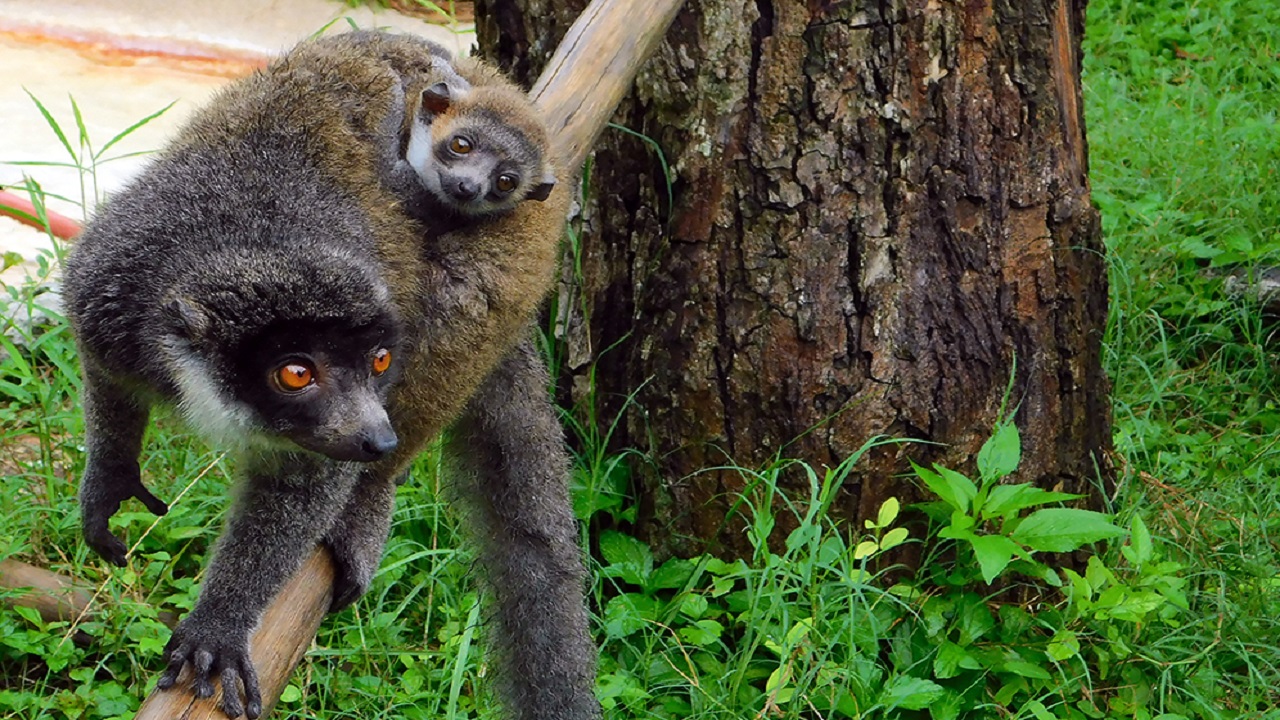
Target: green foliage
<point x="988" y="517"/>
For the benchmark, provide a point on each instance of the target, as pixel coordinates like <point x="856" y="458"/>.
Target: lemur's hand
<point x="214" y="649"/>
<point x="102" y="490"/>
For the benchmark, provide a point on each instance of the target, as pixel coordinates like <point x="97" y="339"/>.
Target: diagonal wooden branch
<point x="579" y="90"/>
<point x="592" y="69"/>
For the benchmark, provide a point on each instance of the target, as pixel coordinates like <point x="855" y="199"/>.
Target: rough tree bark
<point x="877" y="206"/>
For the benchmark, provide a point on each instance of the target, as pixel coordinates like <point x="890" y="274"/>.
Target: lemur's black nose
<point x="465" y="190"/>
<point x="379" y="444"/>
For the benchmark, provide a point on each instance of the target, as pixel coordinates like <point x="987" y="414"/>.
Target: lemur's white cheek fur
<point x="418" y="155"/>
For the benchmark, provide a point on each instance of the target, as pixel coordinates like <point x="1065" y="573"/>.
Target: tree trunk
<point x="879" y="214"/>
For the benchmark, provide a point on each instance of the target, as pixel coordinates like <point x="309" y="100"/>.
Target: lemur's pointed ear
<point x="543" y="191"/>
<point x="436" y="99"/>
<point x="188" y="318"/>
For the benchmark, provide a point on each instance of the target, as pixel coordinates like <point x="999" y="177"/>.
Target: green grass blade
<point x="53" y="124"/>
<point x="129" y="131"/>
<point x="80" y="126"/>
<point x="460" y="660"/>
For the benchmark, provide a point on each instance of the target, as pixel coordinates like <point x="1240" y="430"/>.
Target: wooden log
<point x="287" y="629"/>
<point x="593" y="67"/>
<point x="579" y="90"/>
<point x="56" y="597"/>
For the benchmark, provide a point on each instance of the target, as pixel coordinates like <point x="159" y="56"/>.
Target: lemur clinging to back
<point x="316" y="145"/>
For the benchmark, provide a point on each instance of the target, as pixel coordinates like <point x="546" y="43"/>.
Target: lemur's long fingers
<point x="202" y="661"/>
<point x="177" y="658"/>
<point x="252" y="696"/>
<point x="231" y="691"/>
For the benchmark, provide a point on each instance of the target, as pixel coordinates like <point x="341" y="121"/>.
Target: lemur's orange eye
<point x="295" y="376"/>
<point x="506" y="183"/>
<point x="460" y="145"/>
<point x="381" y="361"/>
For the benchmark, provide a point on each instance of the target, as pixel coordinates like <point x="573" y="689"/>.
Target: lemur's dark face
<point x="322" y="386"/>
<point x="279" y="363"/>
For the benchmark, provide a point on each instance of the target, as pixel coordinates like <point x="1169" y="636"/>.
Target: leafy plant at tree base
<point x="987" y="517"/>
<point x="1072" y="653"/>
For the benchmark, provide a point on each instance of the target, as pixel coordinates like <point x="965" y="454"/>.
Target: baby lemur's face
<point x="304" y="376"/>
<point x="474" y="154"/>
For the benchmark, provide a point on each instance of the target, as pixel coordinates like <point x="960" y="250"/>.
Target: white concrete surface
<point x="124" y="59"/>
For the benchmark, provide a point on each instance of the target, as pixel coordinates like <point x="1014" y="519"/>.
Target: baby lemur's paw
<point x="214" y="651"/>
<point x="102" y="491"/>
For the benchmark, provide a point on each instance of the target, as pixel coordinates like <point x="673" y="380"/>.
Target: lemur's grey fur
<point x="309" y="156"/>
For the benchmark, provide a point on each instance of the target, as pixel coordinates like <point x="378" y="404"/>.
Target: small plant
<point x="987" y="517"/>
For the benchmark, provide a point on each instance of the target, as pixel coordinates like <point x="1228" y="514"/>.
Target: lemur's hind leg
<point x="510" y="444"/>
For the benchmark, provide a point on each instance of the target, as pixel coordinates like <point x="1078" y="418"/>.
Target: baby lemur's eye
<point x="294" y="376"/>
<point x="381" y="361"/>
<point x="506" y="182"/>
<point x="460" y="145"/>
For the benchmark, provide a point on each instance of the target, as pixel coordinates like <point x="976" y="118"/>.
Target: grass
<point x="1176" y="621"/>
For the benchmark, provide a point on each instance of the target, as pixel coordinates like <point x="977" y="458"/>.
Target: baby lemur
<point x="273" y="270"/>
<point x="477" y="151"/>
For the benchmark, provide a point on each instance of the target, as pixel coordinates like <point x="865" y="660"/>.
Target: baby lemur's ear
<point x="187" y="318"/>
<point x="436" y="99"/>
<point x="543" y="191"/>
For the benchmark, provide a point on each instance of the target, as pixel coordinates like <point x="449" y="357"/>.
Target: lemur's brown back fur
<point x="466" y="296"/>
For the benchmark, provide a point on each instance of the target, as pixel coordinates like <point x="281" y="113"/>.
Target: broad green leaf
<point x="626" y="614"/>
<point x="866" y="548"/>
<point x="949" y="493"/>
<point x="802" y="536"/>
<point x="693" y="606"/>
<point x="1025" y="669"/>
<point x="1078" y="590"/>
<point x="1140" y="541"/>
<point x="1122" y="603"/>
<point x="947" y="707"/>
<point x="974" y="618"/>
<point x="1006" y="500"/>
<point x="31" y="614"/>
<point x="701" y="633"/>
<point x="963" y="486"/>
<point x="716" y="566"/>
<point x="628" y="558"/>
<point x="831" y="551"/>
<point x="1064" y="529"/>
<point x="961" y="527"/>
<point x="672" y="574"/>
<point x="1000" y="454"/>
<point x="1038" y="709"/>
<point x="1031" y="567"/>
<point x="888" y="512"/>
<point x="893" y="538"/>
<point x="798" y="632"/>
<point x="951" y="659"/>
<point x="721" y="586"/>
<point x="779" y="684"/>
<point x="1064" y="645"/>
<point x="619" y="548"/>
<point x="993" y="553"/>
<point x="910" y="693"/>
